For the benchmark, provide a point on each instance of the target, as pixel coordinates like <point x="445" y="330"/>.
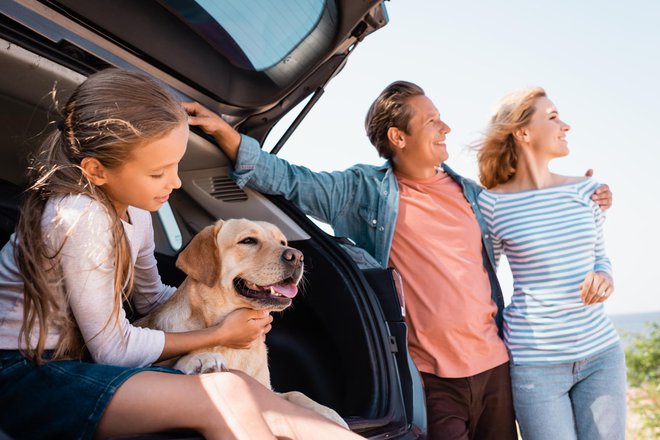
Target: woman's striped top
<point x="552" y="238"/>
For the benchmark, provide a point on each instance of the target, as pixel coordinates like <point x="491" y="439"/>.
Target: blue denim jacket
<point x="360" y="203"/>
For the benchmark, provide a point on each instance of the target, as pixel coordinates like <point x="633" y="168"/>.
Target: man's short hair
<point x="390" y="109"/>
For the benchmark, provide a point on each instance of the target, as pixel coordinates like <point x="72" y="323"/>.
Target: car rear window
<point x="255" y="34"/>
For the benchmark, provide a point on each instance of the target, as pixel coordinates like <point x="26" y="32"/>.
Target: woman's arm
<point x="486" y="202"/>
<point x="598" y="285"/>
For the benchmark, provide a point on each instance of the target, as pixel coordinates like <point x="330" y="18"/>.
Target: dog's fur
<point x="230" y="265"/>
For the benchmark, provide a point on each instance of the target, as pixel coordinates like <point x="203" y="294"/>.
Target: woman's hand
<point x="596" y="287"/>
<point x="242" y="327"/>
<point x="213" y="124"/>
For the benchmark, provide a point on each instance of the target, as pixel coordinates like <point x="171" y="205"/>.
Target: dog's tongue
<point x="288" y="290"/>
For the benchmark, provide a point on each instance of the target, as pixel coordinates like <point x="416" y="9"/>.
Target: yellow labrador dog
<point x="233" y="264"/>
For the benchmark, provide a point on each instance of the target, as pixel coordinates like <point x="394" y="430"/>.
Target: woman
<point x="568" y="368"/>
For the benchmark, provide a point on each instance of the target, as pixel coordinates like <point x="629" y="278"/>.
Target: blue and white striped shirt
<point x="552" y="238"/>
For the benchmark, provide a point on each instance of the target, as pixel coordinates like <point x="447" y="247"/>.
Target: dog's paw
<point x="200" y="363"/>
<point x="300" y="399"/>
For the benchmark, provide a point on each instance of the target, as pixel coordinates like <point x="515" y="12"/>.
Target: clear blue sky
<point x="599" y="61"/>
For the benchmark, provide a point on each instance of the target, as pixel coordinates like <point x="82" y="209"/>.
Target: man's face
<point x="424" y="146"/>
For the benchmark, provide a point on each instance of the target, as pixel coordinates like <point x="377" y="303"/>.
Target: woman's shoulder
<point x="570" y="180"/>
<point x="583" y="185"/>
<point x="501" y="188"/>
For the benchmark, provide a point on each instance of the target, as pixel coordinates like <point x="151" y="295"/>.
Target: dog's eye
<point x="283" y="243"/>
<point x="248" y="240"/>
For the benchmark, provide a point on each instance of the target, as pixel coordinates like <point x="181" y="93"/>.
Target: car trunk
<point x="343" y="343"/>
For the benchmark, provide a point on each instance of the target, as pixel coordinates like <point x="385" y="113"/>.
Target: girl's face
<point x="150" y="174"/>
<point x="546" y="133"/>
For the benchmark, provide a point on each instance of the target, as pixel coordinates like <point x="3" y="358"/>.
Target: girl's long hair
<point x="497" y="156"/>
<point x="106" y="117"/>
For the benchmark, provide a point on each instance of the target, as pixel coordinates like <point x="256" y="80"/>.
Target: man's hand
<point x="602" y="195"/>
<point x="211" y="123"/>
<point x="596" y="287"/>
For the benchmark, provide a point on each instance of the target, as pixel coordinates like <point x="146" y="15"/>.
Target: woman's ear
<point x="395" y="136"/>
<point x="521" y="135"/>
<point x="94" y="170"/>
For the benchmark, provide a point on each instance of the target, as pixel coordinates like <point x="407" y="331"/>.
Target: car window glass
<point x="255" y="34"/>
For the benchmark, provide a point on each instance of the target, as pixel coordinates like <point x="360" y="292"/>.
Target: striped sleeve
<point x="602" y="263"/>
<point x="487" y="202"/>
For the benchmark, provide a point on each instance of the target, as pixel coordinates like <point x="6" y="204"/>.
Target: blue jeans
<point x="583" y="400"/>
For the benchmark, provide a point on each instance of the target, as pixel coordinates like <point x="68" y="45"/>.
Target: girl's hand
<point x="242" y="327"/>
<point x="596" y="287"/>
<point x="211" y="123"/>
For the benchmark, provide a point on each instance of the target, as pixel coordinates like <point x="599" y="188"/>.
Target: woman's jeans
<point x="583" y="400"/>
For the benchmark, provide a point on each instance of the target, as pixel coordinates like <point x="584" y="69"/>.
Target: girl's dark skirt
<point x="58" y="400"/>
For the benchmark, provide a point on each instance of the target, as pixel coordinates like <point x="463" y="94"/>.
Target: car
<point x="344" y="343"/>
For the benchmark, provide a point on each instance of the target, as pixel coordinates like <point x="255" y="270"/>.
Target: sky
<point x="599" y="63"/>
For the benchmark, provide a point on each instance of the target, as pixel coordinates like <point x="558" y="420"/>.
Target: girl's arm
<point x="238" y="330"/>
<point x="86" y="261"/>
<point x="149" y="292"/>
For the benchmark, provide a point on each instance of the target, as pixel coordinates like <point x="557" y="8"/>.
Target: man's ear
<point x="395" y="136"/>
<point x="200" y="260"/>
<point x="94" y="170"/>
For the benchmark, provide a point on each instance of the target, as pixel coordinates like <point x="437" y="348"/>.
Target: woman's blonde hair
<point x="497" y="156"/>
<point x="106" y="117"/>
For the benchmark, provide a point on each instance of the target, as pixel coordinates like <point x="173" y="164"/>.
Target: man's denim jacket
<point x="360" y="203"/>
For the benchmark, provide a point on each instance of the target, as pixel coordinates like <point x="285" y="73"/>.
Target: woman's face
<point x="546" y="133"/>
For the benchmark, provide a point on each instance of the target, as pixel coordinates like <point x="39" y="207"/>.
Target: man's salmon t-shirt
<point x="437" y="249"/>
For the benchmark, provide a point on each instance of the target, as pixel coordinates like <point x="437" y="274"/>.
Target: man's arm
<point x="322" y="195"/>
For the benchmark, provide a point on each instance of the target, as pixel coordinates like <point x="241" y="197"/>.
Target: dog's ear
<point x="200" y="259"/>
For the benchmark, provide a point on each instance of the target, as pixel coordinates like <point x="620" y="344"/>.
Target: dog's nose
<point x="292" y="255"/>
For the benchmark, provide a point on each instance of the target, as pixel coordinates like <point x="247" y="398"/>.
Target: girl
<point x="71" y="365"/>
<point x="568" y="368"/>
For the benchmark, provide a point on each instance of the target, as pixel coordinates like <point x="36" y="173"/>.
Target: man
<point x="421" y="218"/>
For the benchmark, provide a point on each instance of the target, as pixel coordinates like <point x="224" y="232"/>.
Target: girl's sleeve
<point x="87" y="264"/>
<point x="149" y="292"/>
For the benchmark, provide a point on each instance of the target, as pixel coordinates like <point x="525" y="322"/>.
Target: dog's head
<point x="248" y="260"/>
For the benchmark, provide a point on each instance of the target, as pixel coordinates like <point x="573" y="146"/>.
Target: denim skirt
<point x="58" y="400"/>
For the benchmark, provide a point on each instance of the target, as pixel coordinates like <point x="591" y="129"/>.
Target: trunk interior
<point x="332" y="344"/>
